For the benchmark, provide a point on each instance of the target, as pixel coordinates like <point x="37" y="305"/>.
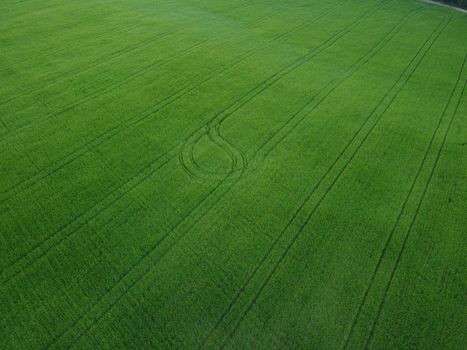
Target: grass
<point x="232" y="174"/>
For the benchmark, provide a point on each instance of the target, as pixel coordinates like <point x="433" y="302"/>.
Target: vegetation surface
<point x="232" y="174"/>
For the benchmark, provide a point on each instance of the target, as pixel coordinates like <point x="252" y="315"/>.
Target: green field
<point x="210" y="174"/>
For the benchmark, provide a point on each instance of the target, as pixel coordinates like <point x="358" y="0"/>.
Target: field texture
<point x="248" y="174"/>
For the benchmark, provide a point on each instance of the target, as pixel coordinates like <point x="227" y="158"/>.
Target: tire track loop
<point x="110" y="133"/>
<point x="238" y="160"/>
<point x="87" y="148"/>
<point x="401" y="212"/>
<point x="213" y="126"/>
<point x="101" y="315"/>
<point x="434" y="35"/>
<point x="104" y="59"/>
<point x="33" y="254"/>
<point x="66" y="225"/>
<point x="107" y="309"/>
<point x="412" y="222"/>
<point x="326" y="91"/>
<point x="172" y="98"/>
<point x="206" y="174"/>
<point x="136" y="281"/>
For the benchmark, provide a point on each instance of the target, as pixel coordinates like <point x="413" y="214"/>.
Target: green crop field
<point x="233" y="174"/>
